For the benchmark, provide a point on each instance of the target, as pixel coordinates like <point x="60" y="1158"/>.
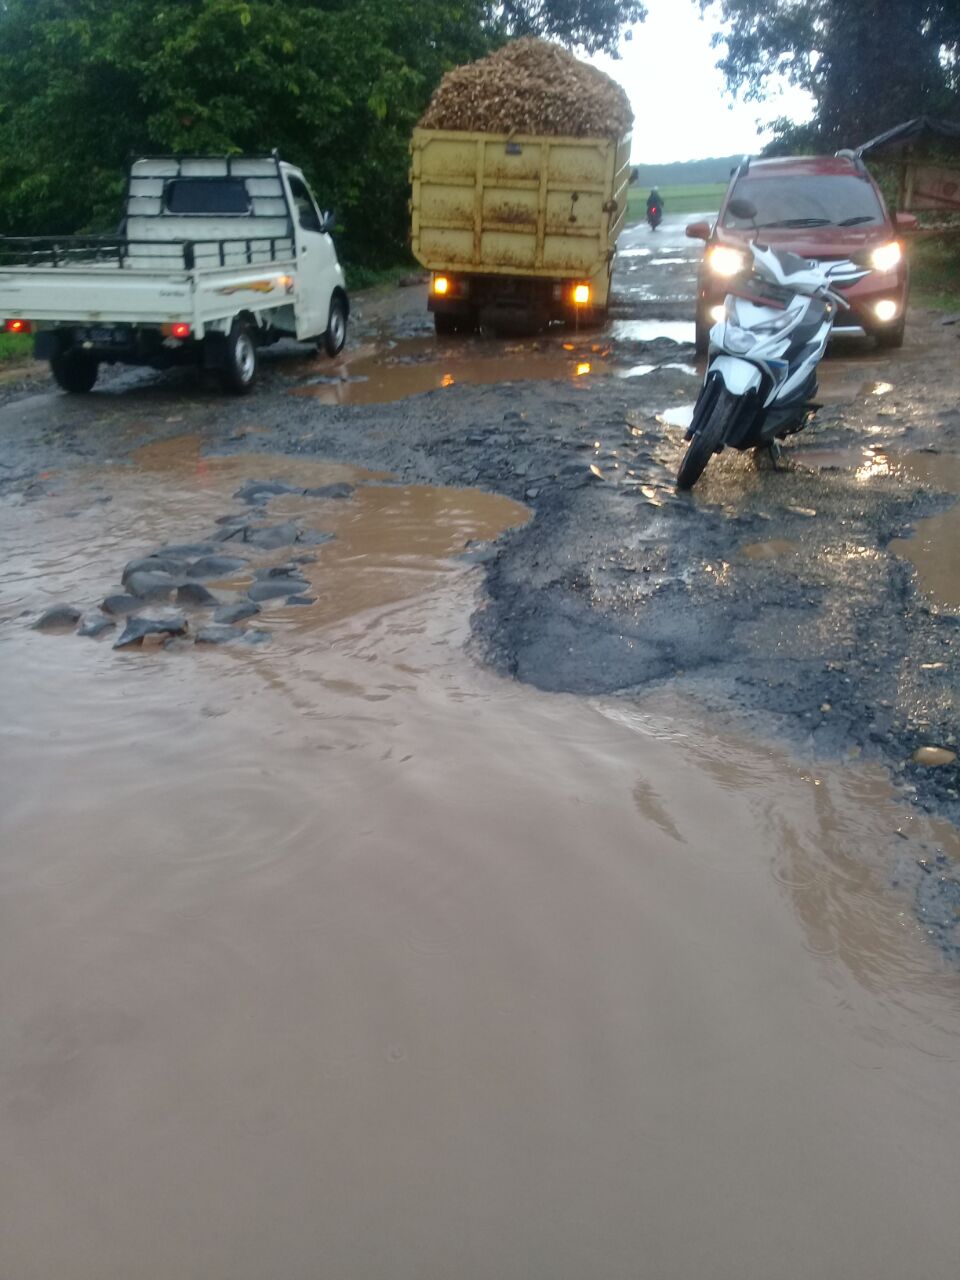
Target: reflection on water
<point x="343" y="956"/>
<point x="771" y="549"/>
<point x="680" y="416"/>
<point x="933" y="548"/>
<point x="414" y="366"/>
<point x="651" y="330"/>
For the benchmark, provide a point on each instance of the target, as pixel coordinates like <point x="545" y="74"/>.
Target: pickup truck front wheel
<point x="75" y="371"/>
<point x="239" y="371"/>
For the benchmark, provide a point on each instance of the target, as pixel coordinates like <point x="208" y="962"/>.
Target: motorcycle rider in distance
<point x="654" y="208"/>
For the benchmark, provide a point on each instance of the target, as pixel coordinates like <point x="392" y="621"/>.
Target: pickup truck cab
<point x="216" y="257"/>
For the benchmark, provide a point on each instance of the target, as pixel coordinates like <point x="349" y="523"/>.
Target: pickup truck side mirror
<point x="698" y="230"/>
<point x="328" y="221"/>
<point x="907" y="221"/>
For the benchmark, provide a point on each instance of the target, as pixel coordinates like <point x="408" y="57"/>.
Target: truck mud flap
<point x="215" y="351"/>
<point x="47" y="344"/>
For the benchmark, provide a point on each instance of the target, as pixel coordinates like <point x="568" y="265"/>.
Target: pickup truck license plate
<point x="105" y="336"/>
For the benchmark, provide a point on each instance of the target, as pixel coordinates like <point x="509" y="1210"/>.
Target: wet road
<point x="348" y="952"/>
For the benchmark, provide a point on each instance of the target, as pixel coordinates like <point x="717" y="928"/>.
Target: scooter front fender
<point x="739" y="376"/>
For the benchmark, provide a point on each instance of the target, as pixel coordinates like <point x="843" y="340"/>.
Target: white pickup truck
<point x="216" y="257"/>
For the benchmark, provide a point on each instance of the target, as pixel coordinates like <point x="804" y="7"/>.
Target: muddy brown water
<point x="343" y="957"/>
<point x="932" y="547"/>
<point x="415" y="365"/>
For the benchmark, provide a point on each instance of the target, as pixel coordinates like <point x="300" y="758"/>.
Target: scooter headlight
<point x="738" y="341"/>
<point x="724" y="261"/>
<point x="886" y="256"/>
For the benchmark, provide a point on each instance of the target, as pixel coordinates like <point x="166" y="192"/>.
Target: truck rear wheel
<point x="239" y="371"/>
<point x="336" y="334"/>
<point x="75" y="371"/>
<point x="445" y="325"/>
<point x="448" y="326"/>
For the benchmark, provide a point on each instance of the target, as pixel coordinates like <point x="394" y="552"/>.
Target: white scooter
<point x="761" y="375"/>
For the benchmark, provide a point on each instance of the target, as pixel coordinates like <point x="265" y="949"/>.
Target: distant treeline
<point x="685" y="173"/>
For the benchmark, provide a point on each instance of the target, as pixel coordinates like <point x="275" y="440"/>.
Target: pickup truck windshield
<point x="206" y="196"/>
<point x="817" y="200"/>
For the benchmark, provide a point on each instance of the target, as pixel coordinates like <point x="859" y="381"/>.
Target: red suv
<point x="823" y="207"/>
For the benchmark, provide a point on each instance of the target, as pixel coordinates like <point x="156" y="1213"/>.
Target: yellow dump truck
<point x="517" y="230"/>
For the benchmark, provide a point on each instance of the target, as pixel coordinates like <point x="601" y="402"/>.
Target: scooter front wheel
<point x="704" y="443"/>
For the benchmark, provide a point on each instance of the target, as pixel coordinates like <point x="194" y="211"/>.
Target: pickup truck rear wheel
<point x="336" y="334"/>
<point x="75" y="371"/>
<point x="239" y="371"/>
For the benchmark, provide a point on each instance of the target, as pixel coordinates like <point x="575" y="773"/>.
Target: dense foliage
<point x="869" y="64"/>
<point x="335" y="85"/>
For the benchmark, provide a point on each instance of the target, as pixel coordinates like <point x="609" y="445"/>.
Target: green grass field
<point x="935" y="271"/>
<point x="14" y="346"/>
<point x="702" y="198"/>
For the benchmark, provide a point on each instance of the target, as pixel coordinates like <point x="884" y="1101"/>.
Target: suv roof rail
<point x="742" y="167"/>
<point x="845" y="153"/>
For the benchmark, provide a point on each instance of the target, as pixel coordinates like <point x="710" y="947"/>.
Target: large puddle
<point x="933" y="547"/>
<point x="413" y="366"/>
<point x="341" y="956"/>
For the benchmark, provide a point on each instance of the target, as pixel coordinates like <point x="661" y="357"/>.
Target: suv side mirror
<point x="698" y="230"/>
<point x="745" y="210"/>
<point x="328" y="220"/>
<point x="907" y="221"/>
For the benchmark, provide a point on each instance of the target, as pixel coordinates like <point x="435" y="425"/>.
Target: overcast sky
<point x="683" y="110"/>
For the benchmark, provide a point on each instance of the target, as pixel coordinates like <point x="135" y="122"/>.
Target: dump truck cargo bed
<point x="519" y="205"/>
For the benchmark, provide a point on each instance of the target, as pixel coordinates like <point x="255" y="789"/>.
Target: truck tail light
<point x="178" y="330"/>
<point x="441" y="285"/>
<point x="581" y="295"/>
<point x="17" y="326"/>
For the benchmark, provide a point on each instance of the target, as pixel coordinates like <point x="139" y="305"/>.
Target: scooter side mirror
<point x="907" y="221"/>
<point x="698" y="230"/>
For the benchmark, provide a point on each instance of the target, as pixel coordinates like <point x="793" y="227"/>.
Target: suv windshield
<point x="816" y="200"/>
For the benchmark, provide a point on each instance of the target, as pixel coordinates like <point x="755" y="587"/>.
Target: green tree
<point x="593" y="24"/>
<point x="869" y="64"/>
<point x="335" y="85"/>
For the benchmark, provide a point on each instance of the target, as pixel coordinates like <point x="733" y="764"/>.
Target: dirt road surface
<point x="455" y="853"/>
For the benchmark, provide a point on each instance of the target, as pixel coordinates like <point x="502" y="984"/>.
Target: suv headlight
<point x="886" y="256"/>
<point x="724" y="261"/>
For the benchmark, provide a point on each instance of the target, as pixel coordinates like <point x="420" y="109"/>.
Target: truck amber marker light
<point x="17" y="326"/>
<point x="441" y="284"/>
<point x="581" y="294"/>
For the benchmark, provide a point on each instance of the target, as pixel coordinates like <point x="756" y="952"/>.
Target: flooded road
<point x="341" y="952"/>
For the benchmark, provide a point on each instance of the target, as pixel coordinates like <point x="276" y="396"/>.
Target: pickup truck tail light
<point x="179" y="330"/>
<point x="17" y="326"/>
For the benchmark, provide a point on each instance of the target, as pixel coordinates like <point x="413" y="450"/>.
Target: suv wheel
<point x="890" y="338"/>
<point x="702" y="329"/>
